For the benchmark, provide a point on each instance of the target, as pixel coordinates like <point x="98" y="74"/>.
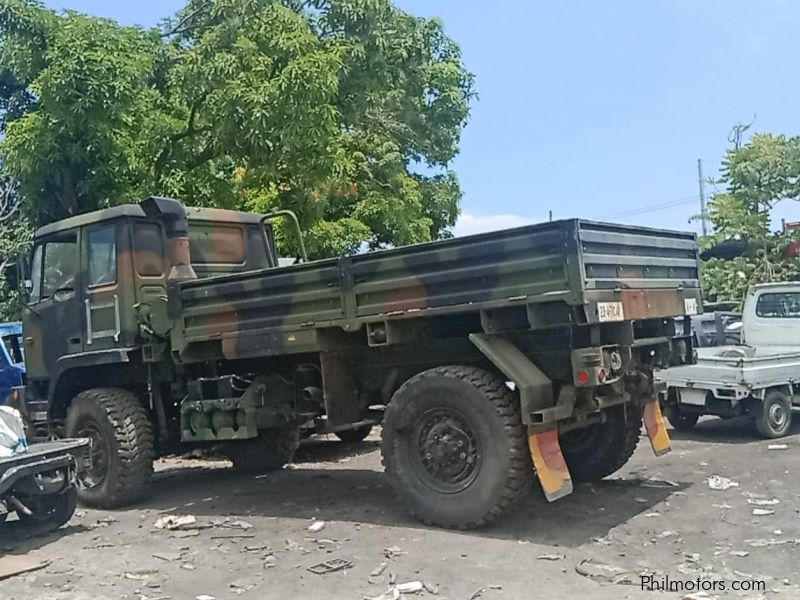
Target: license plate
<point x="610" y="311"/>
<point x="690" y="306"/>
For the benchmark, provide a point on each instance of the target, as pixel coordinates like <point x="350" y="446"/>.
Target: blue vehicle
<point x="12" y="361"/>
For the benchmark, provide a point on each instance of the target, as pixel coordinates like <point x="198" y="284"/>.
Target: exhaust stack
<point x="173" y="216"/>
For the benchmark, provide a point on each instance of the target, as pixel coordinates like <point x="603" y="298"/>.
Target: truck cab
<point x="91" y="272"/>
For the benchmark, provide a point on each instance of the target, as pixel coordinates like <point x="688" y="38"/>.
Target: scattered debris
<point x="168" y="556"/>
<point x="393" y="551"/>
<point x="777" y="447"/>
<point x="233" y="536"/>
<point x="758" y="502"/>
<point x="317" y="526"/>
<point x="762" y="512"/>
<point x="293" y="546"/>
<point x="176" y="522"/>
<point x="718" y="482"/>
<point x="378" y="571"/>
<point x="11" y="565"/>
<point x="204" y="597"/>
<point x="479" y="593"/>
<point x="551" y="557"/>
<point x="411" y="587"/>
<point x="605" y="573"/>
<point x="330" y="566"/>
<point x="739" y="553"/>
<point x="242" y="586"/>
<point x="430" y="588"/>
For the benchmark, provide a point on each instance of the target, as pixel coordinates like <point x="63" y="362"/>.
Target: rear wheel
<point x="455" y="448"/>
<point x="599" y="450"/>
<point x="353" y="436"/>
<point x="121" y="455"/>
<point x="682" y="421"/>
<point x="271" y="450"/>
<point x="54" y="509"/>
<point x="773" y="415"/>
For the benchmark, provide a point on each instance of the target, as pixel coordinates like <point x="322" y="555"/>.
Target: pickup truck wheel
<point x="270" y="451"/>
<point x="599" y="450"/>
<point x="353" y="436"/>
<point x="121" y="455"/>
<point x="54" y="509"/>
<point x="773" y="415"/>
<point x="680" y="420"/>
<point x="454" y="447"/>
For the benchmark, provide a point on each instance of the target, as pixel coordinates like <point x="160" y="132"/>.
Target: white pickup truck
<point x="759" y="378"/>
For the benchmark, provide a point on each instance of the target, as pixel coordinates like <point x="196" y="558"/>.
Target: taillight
<point x="583" y="377"/>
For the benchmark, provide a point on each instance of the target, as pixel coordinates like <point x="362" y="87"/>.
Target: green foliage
<point x="756" y="176"/>
<point x="331" y="108"/>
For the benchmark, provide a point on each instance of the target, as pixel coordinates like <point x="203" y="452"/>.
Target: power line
<point x="653" y="207"/>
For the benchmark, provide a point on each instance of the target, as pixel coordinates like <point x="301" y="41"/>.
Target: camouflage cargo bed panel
<point x="571" y="261"/>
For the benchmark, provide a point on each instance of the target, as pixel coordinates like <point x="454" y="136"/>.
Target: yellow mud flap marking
<point x="550" y="464"/>
<point x="656" y="428"/>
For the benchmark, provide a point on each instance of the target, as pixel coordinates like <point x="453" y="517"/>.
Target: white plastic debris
<point x="317" y="526"/>
<point x="718" y="482"/>
<point x="762" y="512"/>
<point x="412" y="587"/>
<point x="12" y="432"/>
<point x="777" y="447"/>
<point x="761" y="502"/>
<point x="173" y="522"/>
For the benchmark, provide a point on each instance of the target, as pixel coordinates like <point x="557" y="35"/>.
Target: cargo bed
<point x="599" y="272"/>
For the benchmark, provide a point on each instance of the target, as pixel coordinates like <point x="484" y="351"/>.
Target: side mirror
<point x="11" y="276"/>
<point x="20" y="274"/>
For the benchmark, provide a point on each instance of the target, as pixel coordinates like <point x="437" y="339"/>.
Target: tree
<point x="756" y="175"/>
<point x="346" y="111"/>
<point x="14" y="236"/>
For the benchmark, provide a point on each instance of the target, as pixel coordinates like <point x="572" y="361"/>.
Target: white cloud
<point x="469" y="224"/>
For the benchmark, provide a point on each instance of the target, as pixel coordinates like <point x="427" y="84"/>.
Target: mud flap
<point x="656" y="428"/>
<point x="550" y="465"/>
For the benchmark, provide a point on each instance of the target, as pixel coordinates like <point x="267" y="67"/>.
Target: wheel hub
<point x="777" y="415"/>
<point x="96" y="466"/>
<point x="447" y="450"/>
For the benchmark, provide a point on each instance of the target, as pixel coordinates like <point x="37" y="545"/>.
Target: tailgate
<point x="633" y="273"/>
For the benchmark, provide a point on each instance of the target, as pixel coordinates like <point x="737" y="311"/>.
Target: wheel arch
<point x="113" y="368"/>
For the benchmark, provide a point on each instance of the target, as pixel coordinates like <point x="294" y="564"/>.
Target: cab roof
<point x="193" y="213"/>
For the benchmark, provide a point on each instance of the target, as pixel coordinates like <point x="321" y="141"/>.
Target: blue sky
<point x="598" y="109"/>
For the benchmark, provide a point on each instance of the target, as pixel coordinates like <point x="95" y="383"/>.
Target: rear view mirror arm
<point x="299" y="232"/>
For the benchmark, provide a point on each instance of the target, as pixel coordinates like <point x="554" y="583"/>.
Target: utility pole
<point x="702" y="184"/>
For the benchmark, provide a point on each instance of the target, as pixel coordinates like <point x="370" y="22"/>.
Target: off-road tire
<point x="354" y="436"/>
<point x="53" y="509"/>
<point x="484" y="404"/>
<point x="127" y="435"/>
<point x="599" y="450"/>
<point x="682" y="421"/>
<point x="270" y="451"/>
<point x="766" y="414"/>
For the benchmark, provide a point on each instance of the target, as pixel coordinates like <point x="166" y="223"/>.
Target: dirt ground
<point x="657" y="516"/>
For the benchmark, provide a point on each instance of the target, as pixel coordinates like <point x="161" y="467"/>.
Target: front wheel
<point x="597" y="451"/>
<point x="773" y="415"/>
<point x="121" y="454"/>
<point x="455" y="448"/>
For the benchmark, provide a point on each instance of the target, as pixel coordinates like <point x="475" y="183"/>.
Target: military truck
<point x="495" y="356"/>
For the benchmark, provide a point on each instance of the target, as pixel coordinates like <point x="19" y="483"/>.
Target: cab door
<point x="103" y="299"/>
<point x="52" y="317"/>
